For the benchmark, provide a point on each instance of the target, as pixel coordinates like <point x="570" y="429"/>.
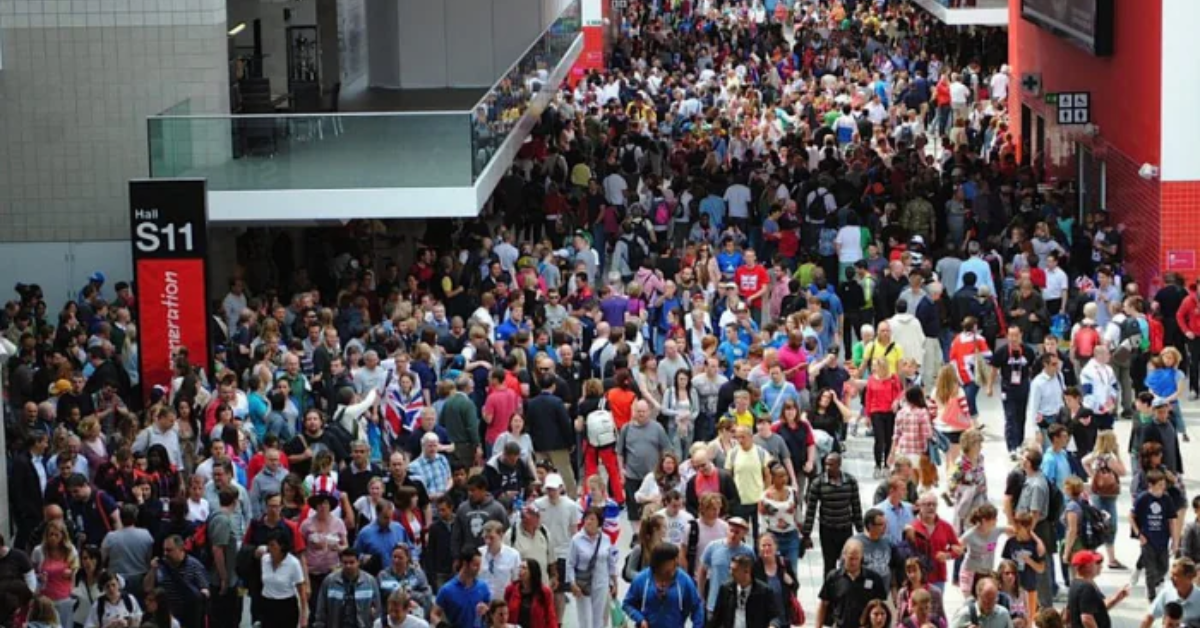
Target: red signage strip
<point x="169" y="231"/>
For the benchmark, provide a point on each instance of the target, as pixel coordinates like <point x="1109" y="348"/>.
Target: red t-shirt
<point x="502" y="404"/>
<point x="750" y="280"/>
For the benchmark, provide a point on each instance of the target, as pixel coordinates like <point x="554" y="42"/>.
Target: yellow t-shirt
<point x="747" y="469"/>
<point x="893" y="355"/>
<point x="745" y="419"/>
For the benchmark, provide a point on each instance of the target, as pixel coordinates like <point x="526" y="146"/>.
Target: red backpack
<point x="1086" y="340"/>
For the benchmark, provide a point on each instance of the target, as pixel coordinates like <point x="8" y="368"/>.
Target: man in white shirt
<point x="614" y="189"/>
<point x="999" y="85"/>
<point x="507" y="252"/>
<point x="959" y="95"/>
<point x="162" y="432"/>
<point x="1057" y="286"/>
<point x="737" y="199"/>
<point x="501" y="563"/>
<point x="561" y="517"/>
<point x="234" y="302"/>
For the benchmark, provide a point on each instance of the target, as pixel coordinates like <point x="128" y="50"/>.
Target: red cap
<point x="1085" y="557"/>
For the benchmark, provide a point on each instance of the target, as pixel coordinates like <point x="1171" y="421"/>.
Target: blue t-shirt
<point x="458" y="602"/>
<point x="732" y="352"/>
<point x="729" y="262"/>
<point x="1014" y="549"/>
<point x="1153" y="515"/>
<point x="718" y="561"/>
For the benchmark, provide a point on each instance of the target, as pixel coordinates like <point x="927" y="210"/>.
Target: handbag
<point x="795" y="611"/>
<point x="583" y="577"/>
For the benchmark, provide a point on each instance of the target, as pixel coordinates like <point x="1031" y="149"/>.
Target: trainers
<point x="1186" y="438"/>
<point x="1136" y="577"/>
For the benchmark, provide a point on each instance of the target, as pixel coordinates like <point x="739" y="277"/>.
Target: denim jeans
<point x="971" y="390"/>
<point x="788" y="545"/>
<point x="1108" y="505"/>
<point x="1014" y="419"/>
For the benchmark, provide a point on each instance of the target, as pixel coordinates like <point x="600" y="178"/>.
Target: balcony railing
<point x="440" y="149"/>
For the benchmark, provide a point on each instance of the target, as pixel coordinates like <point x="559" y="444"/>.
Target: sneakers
<point x="948" y="499"/>
<point x="1136" y="577"/>
<point x="854" y="428"/>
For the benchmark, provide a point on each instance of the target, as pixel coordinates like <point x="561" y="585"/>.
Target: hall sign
<point x="169" y="236"/>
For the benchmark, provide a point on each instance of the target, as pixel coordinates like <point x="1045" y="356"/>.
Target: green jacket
<point x="460" y="417"/>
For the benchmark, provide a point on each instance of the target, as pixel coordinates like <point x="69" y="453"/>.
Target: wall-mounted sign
<point x="169" y="228"/>
<point x="1085" y="23"/>
<point x="1181" y="260"/>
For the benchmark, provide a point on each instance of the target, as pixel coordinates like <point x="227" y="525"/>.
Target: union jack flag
<point x="400" y="410"/>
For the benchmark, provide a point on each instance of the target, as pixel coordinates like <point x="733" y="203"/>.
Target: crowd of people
<point x="756" y="238"/>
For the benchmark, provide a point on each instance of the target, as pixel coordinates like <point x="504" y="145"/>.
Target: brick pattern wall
<point x="80" y="78"/>
<point x="1181" y="224"/>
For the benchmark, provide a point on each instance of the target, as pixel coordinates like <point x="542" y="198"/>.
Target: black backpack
<point x="1129" y="343"/>
<point x="816" y="211"/>
<point x="1056" y="500"/>
<point x="1094" y="527"/>
<point x="629" y="162"/>
<point x="637" y="250"/>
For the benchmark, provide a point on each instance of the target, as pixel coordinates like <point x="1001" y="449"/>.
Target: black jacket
<point x="549" y="425"/>
<point x="728" y="491"/>
<point x="761" y="608"/>
<point x="24" y="482"/>
<point x="962" y="304"/>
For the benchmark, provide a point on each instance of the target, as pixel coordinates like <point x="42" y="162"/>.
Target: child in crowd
<point x="980" y="540"/>
<point x="597" y="497"/>
<point x="1027" y="551"/>
<point x="1151" y="520"/>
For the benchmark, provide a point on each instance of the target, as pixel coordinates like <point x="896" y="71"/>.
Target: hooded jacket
<point x="907" y="332"/>
<point x="467" y="532"/>
<point x="503" y="477"/>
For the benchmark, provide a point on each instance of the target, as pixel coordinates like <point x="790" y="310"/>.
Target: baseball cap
<point x="553" y="481"/>
<point x="739" y="522"/>
<point x="531" y="509"/>
<point x="1085" y="557"/>
<point x="97" y="277"/>
<point x="1160" y="402"/>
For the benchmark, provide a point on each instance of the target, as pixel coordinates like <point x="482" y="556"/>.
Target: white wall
<point x="515" y="29"/>
<point x="383" y="46"/>
<point x="470" y="60"/>
<point x="1181" y="92"/>
<point x="423" y="44"/>
<point x="62" y="268"/>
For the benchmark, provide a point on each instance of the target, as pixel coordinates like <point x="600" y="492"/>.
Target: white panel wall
<point x="383" y="45"/>
<point x="423" y="44"/>
<point x="470" y="61"/>
<point x="517" y="23"/>
<point x="1181" y="92"/>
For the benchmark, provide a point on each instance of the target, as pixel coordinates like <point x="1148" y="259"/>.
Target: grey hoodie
<point x="467" y="532"/>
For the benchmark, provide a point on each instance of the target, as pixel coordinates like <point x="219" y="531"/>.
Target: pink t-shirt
<point x="790" y="358"/>
<point x="58" y="579"/>
<point x="501" y="404"/>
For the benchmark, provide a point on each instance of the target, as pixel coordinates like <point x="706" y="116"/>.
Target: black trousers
<point x="883" y="424"/>
<point x="1193" y="355"/>
<point x="832" y="541"/>
<point x="280" y="613"/>
<point x="226" y="608"/>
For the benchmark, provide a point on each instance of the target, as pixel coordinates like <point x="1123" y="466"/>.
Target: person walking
<point x="833" y="500"/>
<point x="662" y="595"/>
<point x="591" y="571"/>
<point x="640" y="446"/>
<point x="744" y="601"/>
<point x="552" y="430"/>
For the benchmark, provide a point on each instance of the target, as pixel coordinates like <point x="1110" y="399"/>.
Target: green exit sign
<point x="1051" y="99"/>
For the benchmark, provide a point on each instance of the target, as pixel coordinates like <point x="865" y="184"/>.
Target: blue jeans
<point x="1108" y="505"/>
<point x="789" y="546"/>
<point x="971" y="390"/>
<point x="1177" y="418"/>
<point x="1014" y="419"/>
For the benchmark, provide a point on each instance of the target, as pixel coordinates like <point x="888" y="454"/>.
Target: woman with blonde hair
<point x="880" y="403"/>
<point x="953" y="413"/>
<point x="1105" y="468"/>
<point x="55" y="561"/>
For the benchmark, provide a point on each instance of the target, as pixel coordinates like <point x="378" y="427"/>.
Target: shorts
<point x="953" y="437"/>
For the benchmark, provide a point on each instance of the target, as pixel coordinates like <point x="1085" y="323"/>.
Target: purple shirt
<point x="614" y="308"/>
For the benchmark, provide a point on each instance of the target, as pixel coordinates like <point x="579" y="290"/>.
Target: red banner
<point x="171" y="309"/>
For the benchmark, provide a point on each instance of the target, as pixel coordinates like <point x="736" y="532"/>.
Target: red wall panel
<point x="1181" y="225"/>
<point x="1126" y="88"/>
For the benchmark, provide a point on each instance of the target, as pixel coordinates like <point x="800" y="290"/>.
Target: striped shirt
<point x="838" y="503"/>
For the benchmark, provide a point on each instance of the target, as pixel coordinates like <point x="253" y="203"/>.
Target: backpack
<point x="1057" y="504"/>
<point x="906" y="134"/>
<point x="637" y="250"/>
<point x="816" y="211"/>
<point x="126" y="600"/>
<point x="1095" y="525"/>
<point x="1105" y="482"/>
<point x="662" y="214"/>
<point x="197" y="545"/>
<point x="984" y="311"/>
<point x="601" y="428"/>
<point x="629" y="159"/>
<point x="692" y="542"/>
<point x="1129" y="343"/>
<point x="1086" y="340"/>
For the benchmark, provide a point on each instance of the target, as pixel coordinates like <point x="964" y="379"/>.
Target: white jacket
<point x="1099" y="386"/>
<point x="907" y="333"/>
